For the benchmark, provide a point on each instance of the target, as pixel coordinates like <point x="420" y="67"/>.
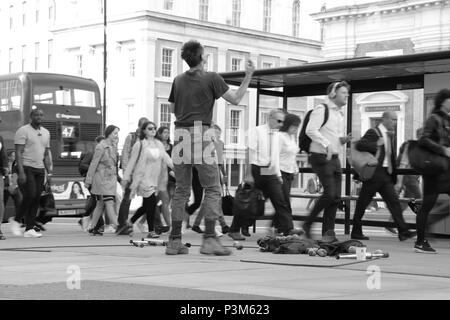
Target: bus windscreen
<point x="66" y="96"/>
<point x="10" y="95"/>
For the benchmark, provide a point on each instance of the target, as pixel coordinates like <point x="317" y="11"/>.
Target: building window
<point x="50" y="54"/>
<point x="24" y="57"/>
<point x="37" y="11"/>
<point x="132" y="62"/>
<point x="167" y="62"/>
<point x="206" y="58"/>
<point x="51" y="10"/>
<point x="296" y="18"/>
<point x="11" y="15"/>
<point x="168" y="4"/>
<point x="100" y="6"/>
<point x="264" y="118"/>
<point x="267" y="15"/>
<point x="236" y="64"/>
<point x="165" y="115"/>
<point x="267" y="65"/>
<point x="236" y="16"/>
<point x="203" y="14"/>
<point x="11" y="60"/>
<point x="79" y="64"/>
<point x="36" y="56"/>
<point x="235" y="122"/>
<point x="24" y="13"/>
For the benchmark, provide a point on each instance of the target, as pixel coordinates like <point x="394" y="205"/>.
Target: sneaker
<point x="197" y="229"/>
<point x="32" y="234"/>
<point x="225" y="229"/>
<point x="175" y="247"/>
<point x="2" y="237"/>
<point x="15" y="227"/>
<point x="406" y="235"/>
<point x="152" y="235"/>
<point x="236" y="236"/>
<point x="218" y="233"/>
<point x="125" y="230"/>
<point x="39" y="227"/>
<point x="110" y="229"/>
<point x="95" y="232"/>
<point x="424" y="247"/>
<point x="212" y="246"/>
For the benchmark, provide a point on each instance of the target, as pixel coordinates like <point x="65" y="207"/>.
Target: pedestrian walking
<point x="11" y="184"/>
<point x="102" y="178"/>
<point x="288" y="153"/>
<point x="380" y="142"/>
<point x="123" y="228"/>
<point x="91" y="201"/>
<point x="327" y="138"/>
<point x="263" y="172"/>
<point x="192" y="99"/>
<point x="435" y="138"/>
<point x="34" y="159"/>
<point x="146" y="173"/>
<point x="219" y="146"/>
<point x="4" y="175"/>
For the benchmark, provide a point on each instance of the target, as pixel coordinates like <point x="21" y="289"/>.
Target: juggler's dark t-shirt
<point x="194" y="95"/>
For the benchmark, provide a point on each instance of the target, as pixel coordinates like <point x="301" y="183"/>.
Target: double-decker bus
<point x="72" y="115"/>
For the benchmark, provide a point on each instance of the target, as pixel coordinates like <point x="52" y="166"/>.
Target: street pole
<point x="105" y="66"/>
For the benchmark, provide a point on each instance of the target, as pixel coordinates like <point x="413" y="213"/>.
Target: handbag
<point x="425" y="161"/>
<point x="363" y="162"/>
<point x="47" y="200"/>
<point x="249" y="201"/>
<point x="227" y="202"/>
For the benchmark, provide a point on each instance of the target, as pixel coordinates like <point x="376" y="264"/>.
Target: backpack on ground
<point x="304" y="140"/>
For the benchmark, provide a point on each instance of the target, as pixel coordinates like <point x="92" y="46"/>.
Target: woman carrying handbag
<point x="436" y="139"/>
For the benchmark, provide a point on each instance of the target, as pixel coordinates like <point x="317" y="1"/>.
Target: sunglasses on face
<point x="151" y="128"/>
<point x="280" y="121"/>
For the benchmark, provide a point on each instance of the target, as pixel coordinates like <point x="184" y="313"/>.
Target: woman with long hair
<point x="163" y="135"/>
<point x="435" y="138"/>
<point x="77" y="191"/>
<point x="102" y="178"/>
<point x="147" y="173"/>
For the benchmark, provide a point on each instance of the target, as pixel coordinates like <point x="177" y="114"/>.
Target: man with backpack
<point x="322" y="136"/>
<point x="123" y="228"/>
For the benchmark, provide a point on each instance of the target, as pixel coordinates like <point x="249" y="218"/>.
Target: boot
<point x="175" y="247"/>
<point x="212" y="246"/>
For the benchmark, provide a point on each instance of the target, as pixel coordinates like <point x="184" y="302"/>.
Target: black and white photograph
<point x="224" y="157"/>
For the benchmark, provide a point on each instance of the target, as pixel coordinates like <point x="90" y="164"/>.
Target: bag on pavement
<point x="249" y="201"/>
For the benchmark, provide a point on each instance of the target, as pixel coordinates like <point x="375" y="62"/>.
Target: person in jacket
<point x="102" y="178"/>
<point x="123" y="228"/>
<point x="435" y="138"/>
<point x="146" y="173"/>
<point x="380" y="139"/>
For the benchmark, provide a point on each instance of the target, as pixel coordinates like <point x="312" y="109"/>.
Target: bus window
<point x="66" y="96"/>
<point x="10" y="95"/>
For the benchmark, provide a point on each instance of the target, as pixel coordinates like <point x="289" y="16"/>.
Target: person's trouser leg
<point x="150" y="205"/>
<point x="183" y="172"/>
<point x="272" y="187"/>
<point x="98" y="212"/>
<point x="326" y="172"/>
<point x="329" y="213"/>
<point x="197" y="189"/>
<point x="429" y="200"/>
<point x="31" y="190"/>
<point x="2" y="204"/>
<point x="368" y="191"/>
<point x="412" y="189"/>
<point x="124" y="208"/>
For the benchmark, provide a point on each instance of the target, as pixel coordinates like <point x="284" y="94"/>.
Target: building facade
<point x="144" y="39"/>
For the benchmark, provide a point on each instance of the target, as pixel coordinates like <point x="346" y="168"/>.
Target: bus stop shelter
<point x="365" y="74"/>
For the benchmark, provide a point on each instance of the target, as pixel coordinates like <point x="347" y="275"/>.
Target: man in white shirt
<point x="326" y="145"/>
<point x="264" y="171"/>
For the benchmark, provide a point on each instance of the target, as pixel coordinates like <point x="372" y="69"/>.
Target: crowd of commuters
<point x="164" y="174"/>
